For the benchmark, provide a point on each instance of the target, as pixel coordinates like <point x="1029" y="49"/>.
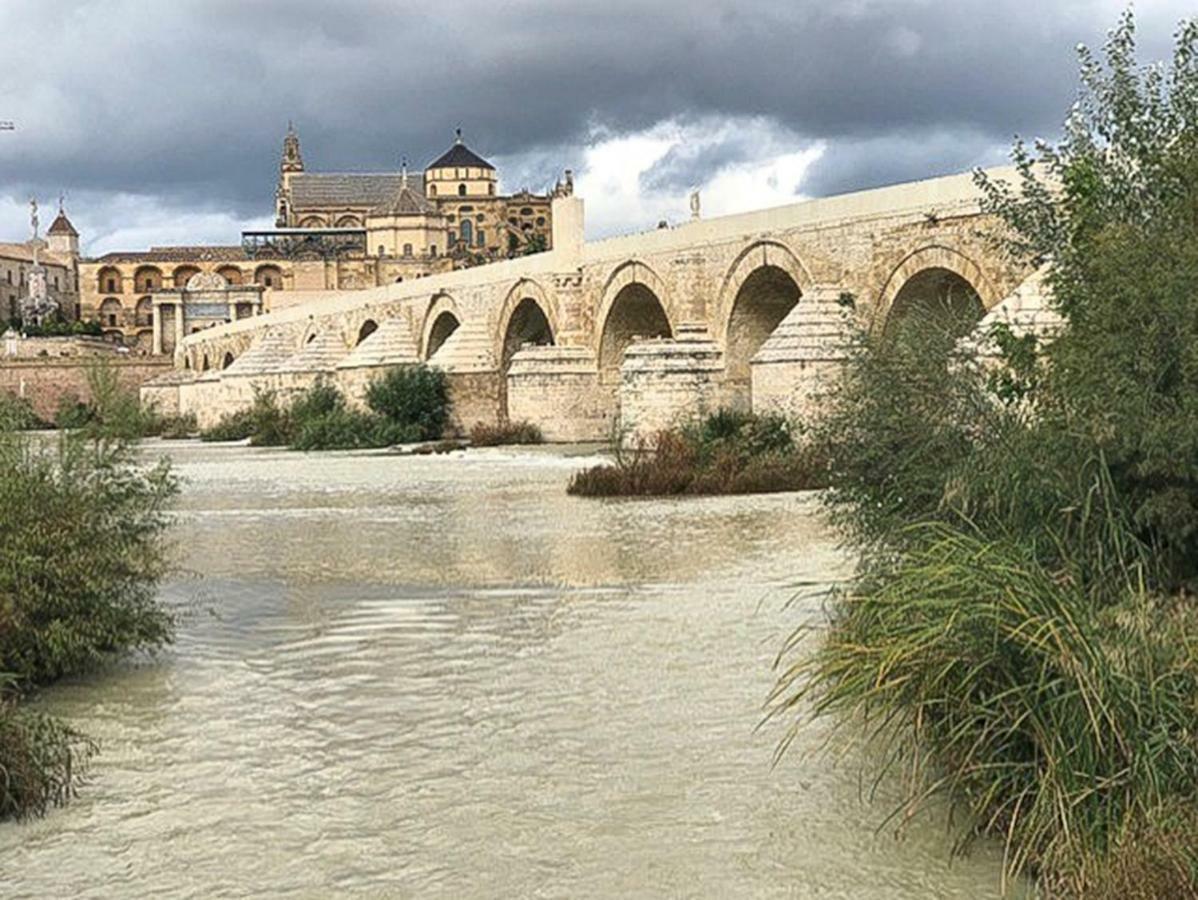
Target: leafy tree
<point x="1114" y="208"/>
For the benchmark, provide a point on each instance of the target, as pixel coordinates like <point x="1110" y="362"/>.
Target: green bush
<point x="72" y="413"/>
<point x="17" y="413"/>
<point x="236" y="426"/>
<point x="412" y="396"/>
<point x="271" y="424"/>
<point x="176" y="428"/>
<point x="82" y="550"/>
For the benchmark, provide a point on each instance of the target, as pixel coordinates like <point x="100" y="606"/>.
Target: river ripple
<point x="441" y="677"/>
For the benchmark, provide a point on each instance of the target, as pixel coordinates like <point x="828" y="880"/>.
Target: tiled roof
<point x="407" y="202"/>
<point x="176" y="255"/>
<point x="348" y="189"/>
<point x="22" y="253"/>
<point x="62" y="225"/>
<point x="459" y="155"/>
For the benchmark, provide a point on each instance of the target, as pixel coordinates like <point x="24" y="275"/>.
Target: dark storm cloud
<point x="187" y="100"/>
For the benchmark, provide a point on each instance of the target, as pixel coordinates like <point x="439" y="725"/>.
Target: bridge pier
<point x="558" y="390"/>
<point x="667" y="382"/>
<point x="804" y="357"/>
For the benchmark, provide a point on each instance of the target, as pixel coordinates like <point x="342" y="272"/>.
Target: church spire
<point x="293" y="160"/>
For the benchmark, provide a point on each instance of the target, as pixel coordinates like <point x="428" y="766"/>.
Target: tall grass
<point x="483" y="435"/>
<point x="1060" y="724"/>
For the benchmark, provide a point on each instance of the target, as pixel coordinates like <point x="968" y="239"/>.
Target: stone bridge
<point x="628" y="333"/>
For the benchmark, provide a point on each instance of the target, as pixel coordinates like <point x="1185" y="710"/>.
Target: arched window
<point x="407" y="249"/>
<point x="183" y="274"/>
<point x="110" y="312"/>
<point x="147" y="279"/>
<point x="382" y="250"/>
<point x="109" y="281"/>
<point x="467" y="231"/>
<point x="432" y="249"/>
<point x="231" y="274"/>
<point x="269" y="277"/>
<point x="481" y="240"/>
<point x="461" y="190"/>
<point x="432" y="190"/>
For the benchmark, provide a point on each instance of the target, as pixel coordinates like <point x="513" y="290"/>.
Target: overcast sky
<point x="162" y="120"/>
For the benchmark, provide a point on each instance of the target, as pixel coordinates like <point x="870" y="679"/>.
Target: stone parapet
<point x="558" y="390"/>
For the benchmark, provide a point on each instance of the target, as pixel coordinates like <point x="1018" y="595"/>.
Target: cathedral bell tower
<point x="291" y="164"/>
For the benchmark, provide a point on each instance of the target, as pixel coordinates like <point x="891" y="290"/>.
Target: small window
<point x="112" y="285"/>
<point x="482" y="238"/>
<point x="432" y="190"/>
<point x="382" y="250"/>
<point x="541" y="221"/>
<point x="491" y="189"/>
<point x="461" y="190"/>
<point x="112" y="320"/>
<point x="267" y="281"/>
<point x="432" y="249"/>
<point x="407" y="249"/>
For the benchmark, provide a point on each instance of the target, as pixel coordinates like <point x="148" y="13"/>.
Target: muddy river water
<point x="442" y="677"/>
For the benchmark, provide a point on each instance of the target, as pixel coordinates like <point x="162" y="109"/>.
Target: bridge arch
<point x="440" y="321"/>
<point x="527" y="317"/>
<point x="934" y="279"/>
<point x="763" y="284"/>
<point x="635" y="305"/>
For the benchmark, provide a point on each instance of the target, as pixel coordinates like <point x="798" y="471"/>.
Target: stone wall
<point x="45" y="382"/>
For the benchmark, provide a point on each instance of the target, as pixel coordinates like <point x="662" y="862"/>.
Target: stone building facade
<point x="334" y="232"/>
<point x="60" y="259"/>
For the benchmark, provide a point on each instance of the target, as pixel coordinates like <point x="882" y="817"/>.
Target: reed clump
<point x="723" y="453"/>
<point x="484" y="435"/>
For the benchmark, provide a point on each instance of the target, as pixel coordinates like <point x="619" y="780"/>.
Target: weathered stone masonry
<point x="632" y="333"/>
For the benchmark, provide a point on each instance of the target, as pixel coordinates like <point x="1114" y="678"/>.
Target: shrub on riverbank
<point x="1021" y="633"/>
<point x="17" y="413"/>
<point x="724" y="453"/>
<point x="82" y="550"/>
<point x="407" y="405"/>
<point x="115" y="411"/>
<point x="412" y="397"/>
<point x="483" y="435"/>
